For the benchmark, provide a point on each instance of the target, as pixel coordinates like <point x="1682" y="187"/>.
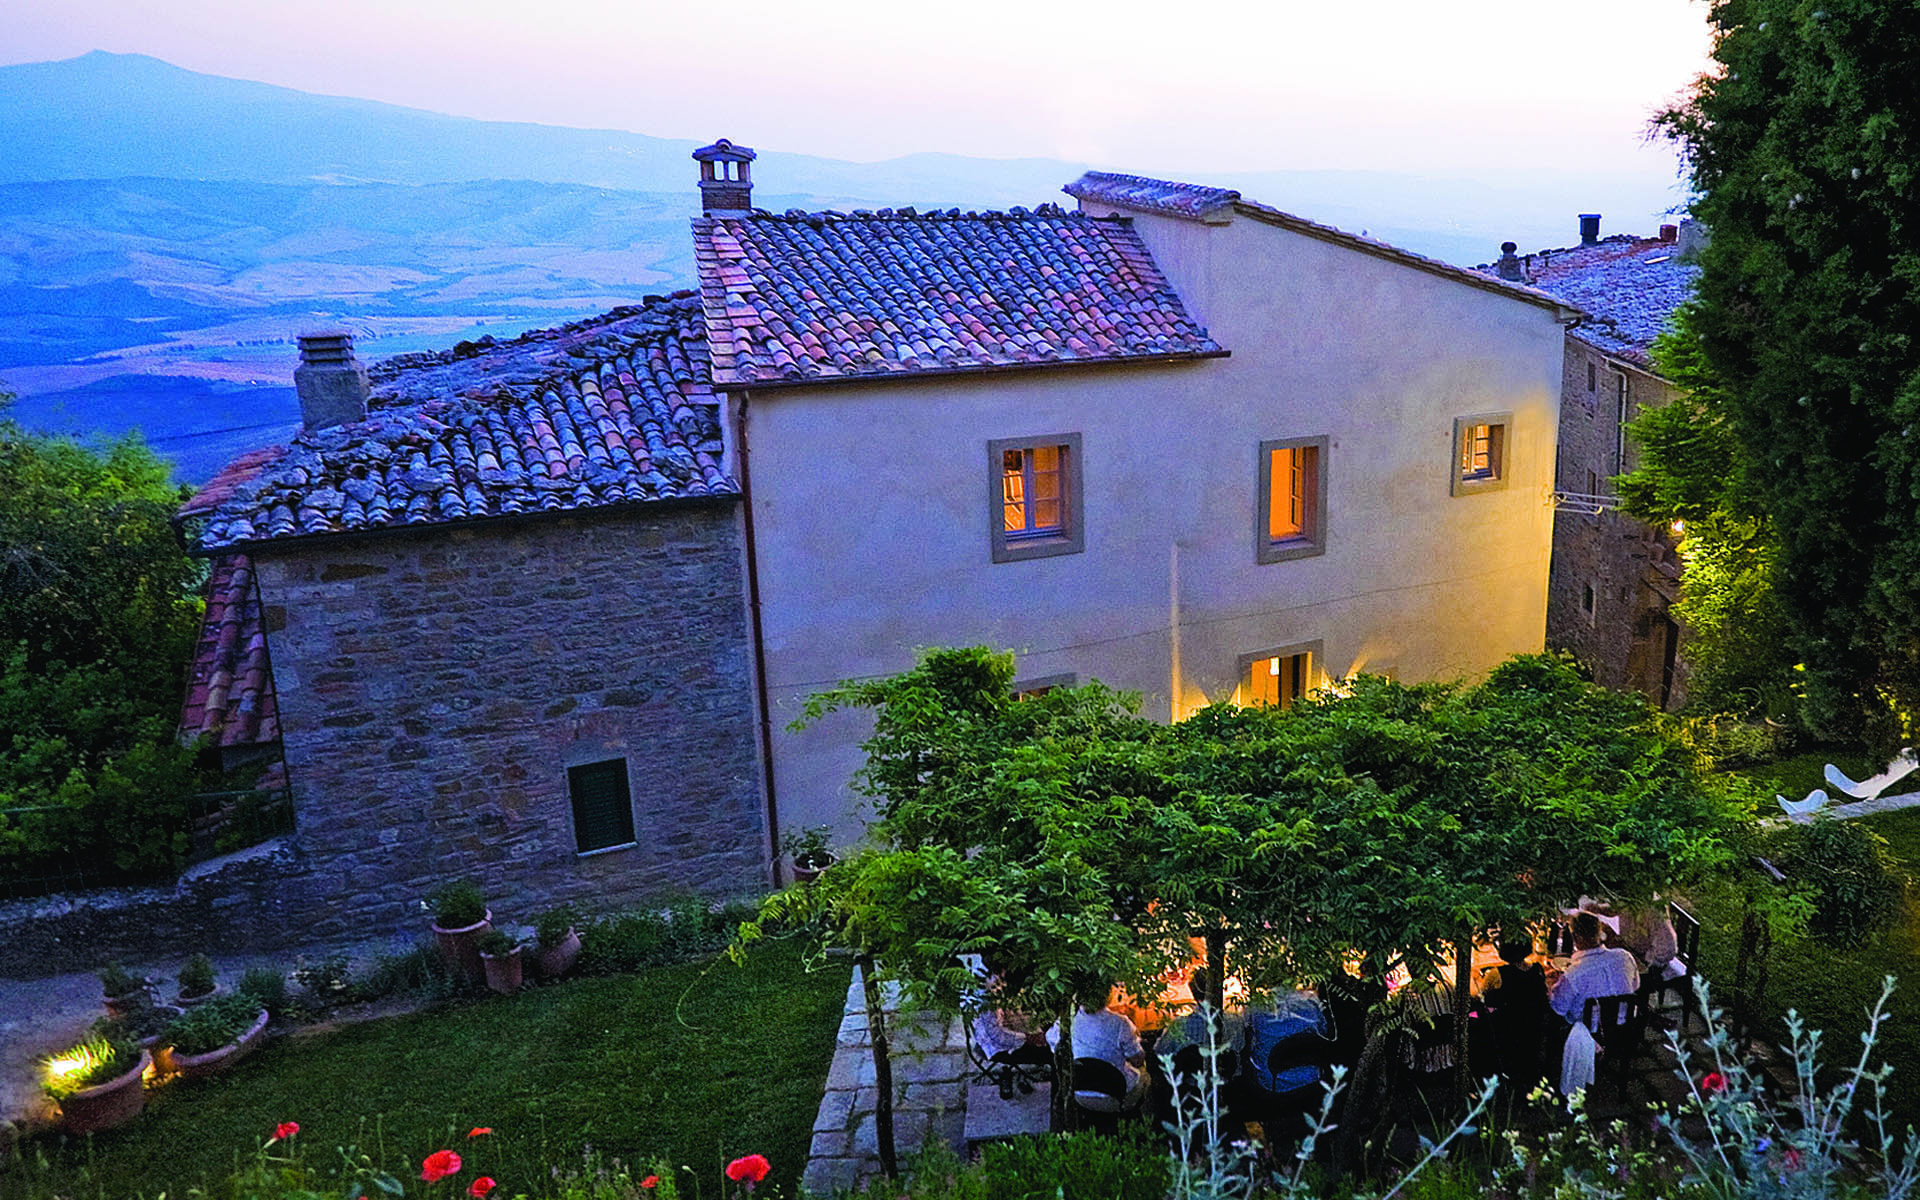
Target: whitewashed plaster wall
<point x="871" y="500"/>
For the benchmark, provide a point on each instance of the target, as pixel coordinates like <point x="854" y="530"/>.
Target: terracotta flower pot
<point x="121" y="1005"/>
<point x="185" y="1001"/>
<point x="503" y="971"/>
<point x="558" y="959"/>
<point x="808" y="869"/>
<point x="461" y="948"/>
<point x="193" y="1066"/>
<point x="110" y="1104"/>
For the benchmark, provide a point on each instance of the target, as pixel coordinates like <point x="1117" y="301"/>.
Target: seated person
<point x="1110" y="1037"/>
<point x="1188" y="1025"/>
<point x="1648" y="932"/>
<point x="1290" y="1016"/>
<point x="1596" y="970"/>
<point x="1514" y="997"/>
<point x="1005" y="1037"/>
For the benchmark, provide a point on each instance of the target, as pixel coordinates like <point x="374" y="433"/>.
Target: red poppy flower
<point x="1713" y="1081"/>
<point x="285" y="1130"/>
<point x="1791" y="1160"/>
<point x="439" y="1165"/>
<point x="481" y="1187"/>
<point x="751" y="1169"/>
<point x="479" y="1130"/>
<point x="651" y="1181"/>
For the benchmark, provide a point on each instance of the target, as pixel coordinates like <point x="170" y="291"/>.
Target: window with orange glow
<point x="1277" y="681"/>
<point x="1291" y="519"/>
<point x="1480" y="453"/>
<point x="1035" y="497"/>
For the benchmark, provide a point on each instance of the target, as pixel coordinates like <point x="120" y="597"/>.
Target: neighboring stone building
<point x="1178" y="442"/>
<point x="504" y="608"/>
<point x="1614" y="579"/>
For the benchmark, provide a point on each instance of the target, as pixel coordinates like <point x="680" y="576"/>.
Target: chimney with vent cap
<point x="1509" y="265"/>
<point x="330" y="380"/>
<point x="726" y="177"/>
<point x="1589" y="229"/>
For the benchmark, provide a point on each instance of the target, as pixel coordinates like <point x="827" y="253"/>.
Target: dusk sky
<point x="1150" y="87"/>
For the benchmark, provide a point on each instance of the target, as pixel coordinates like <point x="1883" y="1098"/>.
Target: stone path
<point x="930" y="1073"/>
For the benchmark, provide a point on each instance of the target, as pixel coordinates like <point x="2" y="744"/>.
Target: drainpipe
<point x="759" y="639"/>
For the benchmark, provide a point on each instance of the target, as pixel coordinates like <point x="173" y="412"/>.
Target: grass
<point x="1833" y="987"/>
<point x="698" y="1063"/>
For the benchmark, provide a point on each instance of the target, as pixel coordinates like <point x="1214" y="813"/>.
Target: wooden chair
<point x="1686" y="935"/>
<point x="1621" y="1033"/>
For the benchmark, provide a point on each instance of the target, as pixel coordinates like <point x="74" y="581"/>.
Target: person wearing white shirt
<point x="1099" y="1032"/>
<point x="1596" y="970"/>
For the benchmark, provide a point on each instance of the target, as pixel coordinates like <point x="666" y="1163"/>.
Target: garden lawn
<point x="1832" y="987"/>
<point x="697" y="1063"/>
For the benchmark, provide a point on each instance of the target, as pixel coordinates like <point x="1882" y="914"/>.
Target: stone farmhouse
<point x="541" y="611"/>
<point x="1614" y="579"/>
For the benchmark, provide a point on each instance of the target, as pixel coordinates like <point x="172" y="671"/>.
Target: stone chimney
<point x="1669" y="233"/>
<point x="1509" y="265"/>
<point x="1589" y="228"/>
<point x="1693" y="238"/>
<point x="726" y="178"/>
<point x="331" y="382"/>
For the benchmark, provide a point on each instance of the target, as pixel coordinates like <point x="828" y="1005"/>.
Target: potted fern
<point x="500" y="958"/>
<point x="460" y="919"/>
<point x="98" y="1084"/>
<point x="556" y="942"/>
<point x="212" y="1037"/>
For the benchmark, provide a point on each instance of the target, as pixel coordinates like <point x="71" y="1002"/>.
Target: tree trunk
<point x="1062" y="1113"/>
<point x="1463" y="1089"/>
<point x="882" y="1070"/>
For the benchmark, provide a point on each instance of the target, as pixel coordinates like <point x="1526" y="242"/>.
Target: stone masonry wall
<point x="435" y="686"/>
<point x="1631" y="569"/>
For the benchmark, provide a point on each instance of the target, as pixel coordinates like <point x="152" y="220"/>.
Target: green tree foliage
<point x="1803" y="162"/>
<point x="98" y="612"/>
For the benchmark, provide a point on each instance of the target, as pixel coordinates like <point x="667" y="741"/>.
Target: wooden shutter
<point x="602" y="804"/>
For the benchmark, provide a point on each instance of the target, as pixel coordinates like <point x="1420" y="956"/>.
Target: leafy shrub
<point x="267" y="986"/>
<point x="116" y="981"/>
<point x="550" y="927"/>
<point x="207" y="1027"/>
<point x="1859" y="883"/>
<point x="634" y="940"/>
<point x="496" y="942"/>
<point x="94" y="1061"/>
<point x="326" y="981"/>
<point x="1075" y="1166"/>
<point x="196" y="978"/>
<point x="457" y="904"/>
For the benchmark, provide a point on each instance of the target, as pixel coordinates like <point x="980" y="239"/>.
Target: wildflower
<point x="479" y="1130"/>
<point x="285" y="1130"/>
<point x="749" y="1170"/>
<point x="651" y="1181"/>
<point x="481" y="1187"/>
<point x="1713" y="1082"/>
<point x="1791" y="1160"/>
<point x="439" y="1165"/>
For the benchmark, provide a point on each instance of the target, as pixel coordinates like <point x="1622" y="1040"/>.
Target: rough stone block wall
<point x="1631" y="568"/>
<point x="435" y="686"/>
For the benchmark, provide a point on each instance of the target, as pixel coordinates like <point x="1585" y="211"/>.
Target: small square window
<point x="1291" y="519"/>
<point x="1278" y="677"/>
<point x="1035" y="497"/>
<point x="1480" y="453"/>
<point x="1040" y="685"/>
<point x="602" y="805"/>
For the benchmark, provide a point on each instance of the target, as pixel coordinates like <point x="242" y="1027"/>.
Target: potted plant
<point x="460" y="917"/>
<point x="211" y="1037"/>
<point x="196" y="981"/>
<point x="556" y="942"/>
<point x="124" y="990"/>
<point x="98" y="1083"/>
<point x="500" y="959"/>
<point x="807" y="850"/>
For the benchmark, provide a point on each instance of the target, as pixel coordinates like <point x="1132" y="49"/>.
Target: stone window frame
<point x="1072" y="537"/>
<point x="1500" y="454"/>
<point x="1315" y="676"/>
<point x="1022" y="689"/>
<point x="1268" y="549"/>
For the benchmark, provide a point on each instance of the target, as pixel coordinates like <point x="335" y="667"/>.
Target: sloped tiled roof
<point x="807" y="297"/>
<point x="615" y="410"/>
<point x="230" y="694"/>
<point x="1196" y="202"/>
<point x="1628" y="285"/>
<point x="1154" y="195"/>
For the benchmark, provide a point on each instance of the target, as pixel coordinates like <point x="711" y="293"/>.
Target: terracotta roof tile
<point x="615" y="410"/>
<point x="804" y="297"/>
<point x="1153" y="195"/>
<point x="1628" y="285"/>
<point x="230" y="694"/>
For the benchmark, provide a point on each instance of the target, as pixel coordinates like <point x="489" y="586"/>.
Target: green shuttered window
<point x="602" y="805"/>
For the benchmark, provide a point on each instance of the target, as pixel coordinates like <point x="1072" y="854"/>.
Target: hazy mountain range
<point x="164" y="233"/>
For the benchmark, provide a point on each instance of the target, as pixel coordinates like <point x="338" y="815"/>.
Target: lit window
<point x="1291" y="518"/>
<point x="1480" y="453"/>
<point x="1278" y="677"/>
<point x="1036" y="497"/>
